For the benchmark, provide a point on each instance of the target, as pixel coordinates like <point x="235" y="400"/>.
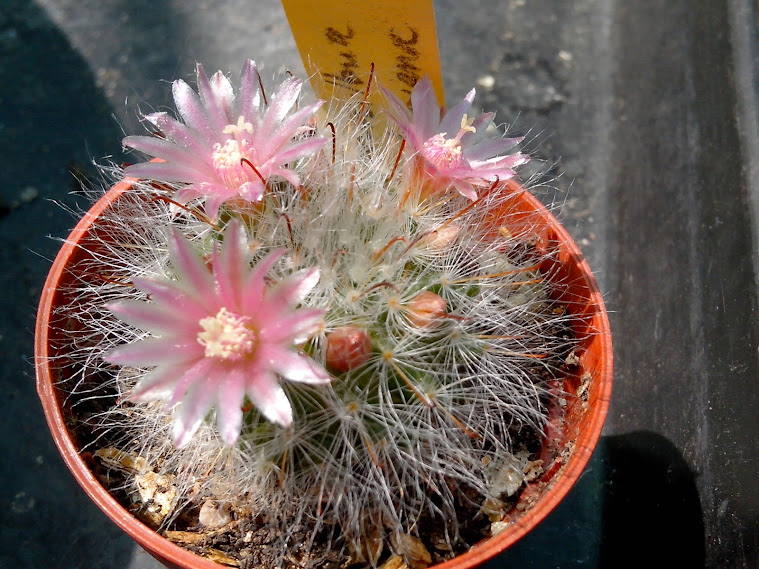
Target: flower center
<point x="227" y="335"/>
<point x="445" y="152"/>
<point x="227" y="161"/>
<point x="442" y="152"/>
<point x="228" y="158"/>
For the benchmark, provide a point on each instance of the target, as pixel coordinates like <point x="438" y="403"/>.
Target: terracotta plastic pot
<point x="576" y="426"/>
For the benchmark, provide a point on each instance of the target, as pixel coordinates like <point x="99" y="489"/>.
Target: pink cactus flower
<point x="227" y="146"/>
<point x="453" y="151"/>
<point x="220" y="334"/>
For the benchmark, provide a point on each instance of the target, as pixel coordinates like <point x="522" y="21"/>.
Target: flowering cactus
<point x="380" y="274"/>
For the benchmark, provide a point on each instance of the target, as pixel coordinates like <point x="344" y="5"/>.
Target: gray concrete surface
<point x="643" y="114"/>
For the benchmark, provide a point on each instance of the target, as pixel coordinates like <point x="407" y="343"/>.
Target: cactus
<point x="316" y="321"/>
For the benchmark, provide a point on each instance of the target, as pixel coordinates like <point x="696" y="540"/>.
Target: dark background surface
<point x="644" y="114"/>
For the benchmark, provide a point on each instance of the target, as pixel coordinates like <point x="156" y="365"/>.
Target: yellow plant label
<point x="340" y="40"/>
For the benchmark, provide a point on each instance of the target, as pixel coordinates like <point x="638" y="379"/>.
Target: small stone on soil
<point x="213" y="515"/>
<point x="498" y="527"/>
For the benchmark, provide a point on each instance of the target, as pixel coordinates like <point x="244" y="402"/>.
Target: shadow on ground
<point x="53" y="119"/>
<point x="636" y="505"/>
<point x="652" y="514"/>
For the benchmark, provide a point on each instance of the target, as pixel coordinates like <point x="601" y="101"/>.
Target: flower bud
<point x="442" y="238"/>
<point x="348" y="347"/>
<point x="425" y="308"/>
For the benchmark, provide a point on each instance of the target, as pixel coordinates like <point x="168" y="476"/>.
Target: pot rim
<point x="168" y="552"/>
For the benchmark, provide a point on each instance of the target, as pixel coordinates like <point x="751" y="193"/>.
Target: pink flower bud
<point x="425" y="308"/>
<point x="443" y="237"/>
<point x="348" y="347"/>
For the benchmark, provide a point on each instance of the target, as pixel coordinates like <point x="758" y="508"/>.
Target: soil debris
<point x="413" y="551"/>
<point x="214" y="515"/>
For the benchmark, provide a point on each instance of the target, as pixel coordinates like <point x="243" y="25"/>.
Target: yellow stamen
<point x="466" y="126"/>
<point x="238" y="128"/>
<point x="227" y="336"/>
